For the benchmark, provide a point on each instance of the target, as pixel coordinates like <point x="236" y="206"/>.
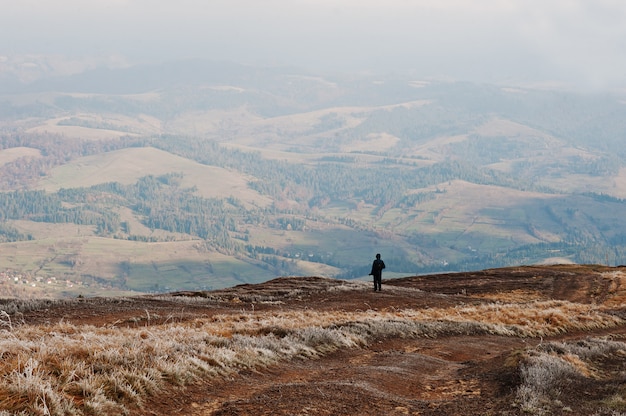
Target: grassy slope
<point x="9" y="155"/>
<point x="468" y="216"/>
<point x="127" y="165"/>
<point x="122" y="264"/>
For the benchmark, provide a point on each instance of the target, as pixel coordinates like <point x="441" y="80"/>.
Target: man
<point x="377" y="272"/>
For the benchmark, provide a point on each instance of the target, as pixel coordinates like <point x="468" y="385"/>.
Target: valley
<point x="234" y="174"/>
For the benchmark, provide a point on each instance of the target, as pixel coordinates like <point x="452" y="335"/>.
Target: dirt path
<point x="459" y="375"/>
<point x="391" y="377"/>
<point x="451" y="375"/>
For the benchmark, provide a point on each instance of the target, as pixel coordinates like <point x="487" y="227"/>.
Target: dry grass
<point x="514" y="296"/>
<point x="539" y="318"/>
<point x="66" y="369"/>
<point x="617" y="290"/>
<point x="550" y="368"/>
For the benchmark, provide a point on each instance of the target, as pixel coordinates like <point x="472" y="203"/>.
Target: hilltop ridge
<point x="516" y="340"/>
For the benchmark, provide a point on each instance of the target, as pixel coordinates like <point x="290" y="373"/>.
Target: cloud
<point x="580" y="41"/>
<point x="584" y="40"/>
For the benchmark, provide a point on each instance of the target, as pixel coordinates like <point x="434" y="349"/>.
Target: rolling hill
<point x="221" y="174"/>
<point x="126" y="166"/>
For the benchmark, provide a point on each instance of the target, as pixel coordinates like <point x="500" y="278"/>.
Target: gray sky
<point x="569" y="41"/>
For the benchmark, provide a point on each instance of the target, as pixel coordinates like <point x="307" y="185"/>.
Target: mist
<point x="576" y="43"/>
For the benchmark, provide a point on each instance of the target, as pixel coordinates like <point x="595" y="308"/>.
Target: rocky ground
<point x="447" y="375"/>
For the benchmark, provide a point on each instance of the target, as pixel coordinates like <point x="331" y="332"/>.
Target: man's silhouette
<point x="377" y="272"/>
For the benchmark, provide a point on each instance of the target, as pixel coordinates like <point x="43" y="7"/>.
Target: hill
<point x="127" y="166"/>
<point x="516" y="341"/>
<point x="194" y="175"/>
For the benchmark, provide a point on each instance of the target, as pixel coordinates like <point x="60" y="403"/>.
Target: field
<point x="532" y="340"/>
<point x="128" y="165"/>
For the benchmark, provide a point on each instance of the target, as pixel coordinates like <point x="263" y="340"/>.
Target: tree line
<point x="161" y="203"/>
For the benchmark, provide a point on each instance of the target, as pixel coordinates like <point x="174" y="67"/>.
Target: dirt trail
<point x="450" y="375"/>
<point x="391" y="377"/>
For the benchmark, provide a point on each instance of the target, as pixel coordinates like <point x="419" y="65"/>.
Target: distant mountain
<point x="150" y="77"/>
<point x="199" y="174"/>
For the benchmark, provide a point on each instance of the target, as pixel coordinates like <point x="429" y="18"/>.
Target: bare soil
<point x="453" y="375"/>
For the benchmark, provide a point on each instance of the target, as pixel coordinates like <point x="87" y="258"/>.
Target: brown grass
<point x="549" y="369"/>
<point x="64" y="368"/>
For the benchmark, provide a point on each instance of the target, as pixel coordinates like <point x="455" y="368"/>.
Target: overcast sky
<point x="570" y="41"/>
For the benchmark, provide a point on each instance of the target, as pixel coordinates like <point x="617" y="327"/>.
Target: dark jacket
<point x="377" y="267"/>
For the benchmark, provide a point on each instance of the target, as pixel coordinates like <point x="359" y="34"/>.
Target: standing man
<point x="377" y="272"/>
